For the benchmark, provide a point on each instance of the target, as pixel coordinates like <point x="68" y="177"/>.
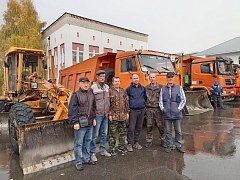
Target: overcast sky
<point x="174" y="26"/>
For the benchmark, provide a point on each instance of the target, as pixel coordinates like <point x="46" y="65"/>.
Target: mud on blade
<point x="45" y="145"/>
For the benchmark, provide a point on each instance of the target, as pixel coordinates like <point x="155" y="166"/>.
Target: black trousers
<point x="136" y="118"/>
<point x="217" y="100"/>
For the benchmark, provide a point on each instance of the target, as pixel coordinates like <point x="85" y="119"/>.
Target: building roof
<point x="230" y="46"/>
<point x="76" y="17"/>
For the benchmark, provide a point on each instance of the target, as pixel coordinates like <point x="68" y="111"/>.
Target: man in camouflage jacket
<point x="153" y="113"/>
<point x="118" y="116"/>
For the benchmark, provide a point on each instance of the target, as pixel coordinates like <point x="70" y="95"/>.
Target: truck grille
<point x="230" y="81"/>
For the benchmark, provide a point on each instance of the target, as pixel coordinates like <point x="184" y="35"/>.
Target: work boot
<point x="93" y="158"/>
<point x="79" y="167"/>
<point x="181" y="150"/>
<point x="148" y="144"/>
<point x="113" y="153"/>
<point x="137" y="146"/>
<point x="122" y="150"/>
<point x="105" y="153"/>
<point x="129" y="148"/>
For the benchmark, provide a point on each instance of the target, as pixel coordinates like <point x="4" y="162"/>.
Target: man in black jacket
<point x="81" y="113"/>
<point x="137" y="96"/>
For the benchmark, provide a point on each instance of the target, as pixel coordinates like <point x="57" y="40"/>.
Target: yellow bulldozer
<point x="38" y="120"/>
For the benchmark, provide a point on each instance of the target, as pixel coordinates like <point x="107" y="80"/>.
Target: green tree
<point x="21" y="27"/>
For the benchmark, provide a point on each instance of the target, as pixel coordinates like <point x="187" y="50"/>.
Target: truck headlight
<point x="34" y="85"/>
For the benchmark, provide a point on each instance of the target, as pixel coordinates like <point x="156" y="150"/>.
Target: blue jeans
<point x="102" y="125"/>
<point x="82" y="141"/>
<point x="178" y="133"/>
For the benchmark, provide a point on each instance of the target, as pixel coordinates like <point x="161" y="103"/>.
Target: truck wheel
<point x="19" y="114"/>
<point x="109" y="75"/>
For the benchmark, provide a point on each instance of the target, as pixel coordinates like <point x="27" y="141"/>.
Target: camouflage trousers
<point x="154" y="115"/>
<point x="120" y="128"/>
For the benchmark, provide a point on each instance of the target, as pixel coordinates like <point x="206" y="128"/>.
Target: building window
<point x="80" y="56"/>
<point x="77" y="34"/>
<point x="128" y="64"/>
<point x="93" y="38"/>
<point x="93" y="50"/>
<point x="55" y="39"/>
<point x="142" y="47"/>
<point x="61" y="36"/>
<point x="132" y="45"/>
<point x="108" y="41"/>
<point x="120" y="42"/>
<point x="107" y="50"/>
<point x="239" y="60"/>
<point x="74" y="57"/>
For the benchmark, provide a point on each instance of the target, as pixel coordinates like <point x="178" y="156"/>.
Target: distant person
<point x="137" y="96"/>
<point x="81" y="113"/>
<point x="216" y="90"/>
<point x="171" y="101"/>
<point x="153" y="112"/>
<point x="101" y="93"/>
<point x="118" y="116"/>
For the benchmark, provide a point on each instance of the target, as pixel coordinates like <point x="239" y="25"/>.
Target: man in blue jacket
<point x="216" y="90"/>
<point x="171" y="101"/>
<point x="137" y="96"/>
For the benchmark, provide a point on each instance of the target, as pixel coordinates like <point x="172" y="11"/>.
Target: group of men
<point x="95" y="111"/>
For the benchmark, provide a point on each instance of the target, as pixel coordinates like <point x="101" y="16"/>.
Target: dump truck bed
<point x="69" y="76"/>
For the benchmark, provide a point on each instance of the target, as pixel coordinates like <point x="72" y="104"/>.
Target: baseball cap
<point x="84" y="79"/>
<point x="100" y="72"/>
<point x="170" y="74"/>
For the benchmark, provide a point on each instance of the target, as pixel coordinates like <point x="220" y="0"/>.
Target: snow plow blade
<point x="4" y="120"/>
<point x="197" y="103"/>
<point x="44" y="145"/>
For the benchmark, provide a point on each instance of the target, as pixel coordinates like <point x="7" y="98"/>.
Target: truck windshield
<point x="225" y="68"/>
<point x="153" y="63"/>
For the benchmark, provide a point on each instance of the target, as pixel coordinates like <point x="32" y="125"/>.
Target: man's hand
<point x="76" y="126"/>
<point x="94" y="122"/>
<point x="110" y="118"/>
<point x="127" y="116"/>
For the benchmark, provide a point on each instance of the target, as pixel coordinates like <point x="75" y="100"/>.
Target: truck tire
<point x="110" y="73"/>
<point x="20" y="114"/>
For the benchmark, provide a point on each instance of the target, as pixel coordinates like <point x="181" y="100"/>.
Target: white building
<point x="72" y="39"/>
<point x="229" y="49"/>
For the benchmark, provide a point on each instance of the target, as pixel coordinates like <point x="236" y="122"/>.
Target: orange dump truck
<point x="198" y="73"/>
<point x="125" y="64"/>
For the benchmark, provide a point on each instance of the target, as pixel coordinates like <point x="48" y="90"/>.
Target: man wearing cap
<point x="153" y="112"/>
<point x="81" y="113"/>
<point x="171" y="101"/>
<point x="137" y="97"/>
<point x="101" y="93"/>
<point x="216" y="90"/>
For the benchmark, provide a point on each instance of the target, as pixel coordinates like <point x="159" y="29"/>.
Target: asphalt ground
<point x="212" y="143"/>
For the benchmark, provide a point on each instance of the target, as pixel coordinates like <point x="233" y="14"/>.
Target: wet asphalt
<point x="212" y="143"/>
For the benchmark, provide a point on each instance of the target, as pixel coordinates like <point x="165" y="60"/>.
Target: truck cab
<point x="202" y="72"/>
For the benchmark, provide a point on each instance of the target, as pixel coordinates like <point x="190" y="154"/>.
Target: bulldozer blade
<point x="197" y="103"/>
<point x="4" y="120"/>
<point x="44" y="145"/>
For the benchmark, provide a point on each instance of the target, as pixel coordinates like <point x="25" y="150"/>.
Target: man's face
<point x="116" y="82"/>
<point x="85" y="85"/>
<point x="153" y="78"/>
<point x="170" y="80"/>
<point x="135" y="79"/>
<point x="101" y="78"/>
